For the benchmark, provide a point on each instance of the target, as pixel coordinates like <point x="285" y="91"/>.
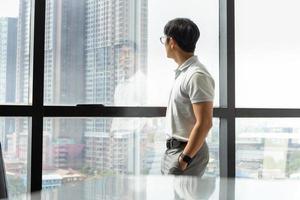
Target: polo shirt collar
<point x="185" y="65"/>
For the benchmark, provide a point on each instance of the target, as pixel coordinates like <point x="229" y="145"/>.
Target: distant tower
<point x="8" y="38"/>
<point x="110" y="26"/>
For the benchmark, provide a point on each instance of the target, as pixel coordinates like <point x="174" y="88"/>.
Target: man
<point x="190" y="107"/>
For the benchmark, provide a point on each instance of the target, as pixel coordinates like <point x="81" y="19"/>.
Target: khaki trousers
<point x="170" y="165"/>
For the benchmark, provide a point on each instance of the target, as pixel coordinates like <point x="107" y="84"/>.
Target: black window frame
<point x="227" y="112"/>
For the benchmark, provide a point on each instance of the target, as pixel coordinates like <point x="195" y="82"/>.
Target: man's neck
<point x="181" y="58"/>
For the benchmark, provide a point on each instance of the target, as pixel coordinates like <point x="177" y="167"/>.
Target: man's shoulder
<point x="198" y="67"/>
<point x="196" y="70"/>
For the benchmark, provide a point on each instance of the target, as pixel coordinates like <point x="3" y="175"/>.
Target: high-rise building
<point x="64" y="52"/>
<point x="8" y="35"/>
<point x="23" y="81"/>
<point x="116" y="48"/>
<point x="91" y="47"/>
<point x="23" y="54"/>
<point x="110" y="27"/>
<point x="64" y="65"/>
<point x="64" y="71"/>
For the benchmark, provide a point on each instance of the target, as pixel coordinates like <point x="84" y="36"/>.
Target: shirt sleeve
<point x="200" y="88"/>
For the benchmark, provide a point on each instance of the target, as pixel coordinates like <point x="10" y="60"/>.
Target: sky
<point x="267" y="53"/>
<point x="9" y="8"/>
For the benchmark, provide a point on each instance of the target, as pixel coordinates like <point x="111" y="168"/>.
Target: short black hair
<point x="184" y="31"/>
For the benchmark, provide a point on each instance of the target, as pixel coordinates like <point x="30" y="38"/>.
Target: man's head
<point x="181" y="35"/>
<point x="126" y="58"/>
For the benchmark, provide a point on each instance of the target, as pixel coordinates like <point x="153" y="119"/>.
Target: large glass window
<point x="109" y="52"/>
<point x="76" y="149"/>
<point x="112" y="50"/>
<point x="14" y="139"/>
<point x="267" y="53"/>
<point x="268" y="148"/>
<point x="15" y="68"/>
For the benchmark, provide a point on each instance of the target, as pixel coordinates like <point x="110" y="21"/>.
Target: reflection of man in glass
<point x="194" y="188"/>
<point x="190" y="106"/>
<point x="130" y="133"/>
<point x="130" y="77"/>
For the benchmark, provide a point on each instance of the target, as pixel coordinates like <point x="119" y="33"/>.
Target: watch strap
<point x="186" y="158"/>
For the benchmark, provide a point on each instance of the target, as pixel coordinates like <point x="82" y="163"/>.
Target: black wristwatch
<point x="186" y="158"/>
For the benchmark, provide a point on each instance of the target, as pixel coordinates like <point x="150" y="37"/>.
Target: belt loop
<point x="168" y="144"/>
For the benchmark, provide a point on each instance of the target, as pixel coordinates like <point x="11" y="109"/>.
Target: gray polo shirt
<point x="193" y="84"/>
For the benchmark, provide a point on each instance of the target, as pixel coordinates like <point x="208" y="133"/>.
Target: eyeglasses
<point x="163" y="39"/>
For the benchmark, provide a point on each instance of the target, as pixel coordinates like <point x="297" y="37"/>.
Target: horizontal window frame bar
<point x="16" y="110"/>
<point x="266" y="113"/>
<point x="127" y="111"/>
<point x="107" y="111"/>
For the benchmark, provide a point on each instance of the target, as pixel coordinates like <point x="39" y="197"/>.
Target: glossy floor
<point x="170" y="187"/>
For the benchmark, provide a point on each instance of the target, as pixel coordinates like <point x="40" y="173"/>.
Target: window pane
<point x="267" y="53"/>
<point x="160" y="68"/>
<point x="75" y="149"/>
<point x="15" y="68"/>
<point x="109" y="51"/>
<point x="268" y="148"/>
<point x="14" y="137"/>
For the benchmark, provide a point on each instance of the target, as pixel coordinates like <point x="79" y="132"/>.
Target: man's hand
<point x="182" y="164"/>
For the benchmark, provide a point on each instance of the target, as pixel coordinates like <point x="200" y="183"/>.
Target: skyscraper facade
<point x="8" y="32"/>
<point x="8" y="35"/>
<point x="19" y="141"/>
<point x="116" y="48"/>
<point x="91" y="48"/>
<point x="64" y="77"/>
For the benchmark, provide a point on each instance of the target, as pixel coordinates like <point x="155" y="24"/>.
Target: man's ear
<point x="172" y="43"/>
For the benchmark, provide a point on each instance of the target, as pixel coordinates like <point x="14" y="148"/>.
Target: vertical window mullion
<point x="227" y="88"/>
<point x="37" y="58"/>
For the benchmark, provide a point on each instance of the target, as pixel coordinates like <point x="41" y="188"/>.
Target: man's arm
<point x="204" y="113"/>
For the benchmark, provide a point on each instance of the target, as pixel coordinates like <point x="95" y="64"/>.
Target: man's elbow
<point x="209" y="124"/>
<point x="206" y="124"/>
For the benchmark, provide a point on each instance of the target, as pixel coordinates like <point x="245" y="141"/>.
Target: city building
<point x="8" y="48"/>
<point x="116" y="48"/>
